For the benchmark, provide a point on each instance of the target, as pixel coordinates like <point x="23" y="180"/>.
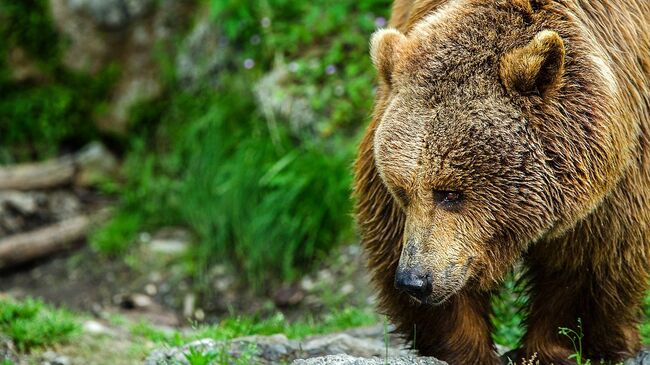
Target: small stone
<point x="24" y="203"/>
<point x="189" y="302"/>
<point x="346" y="289"/>
<point x="95" y="163"/>
<point x="325" y="276"/>
<point x="133" y="301"/>
<point x="168" y="246"/>
<point x="223" y="284"/>
<point x="307" y="284"/>
<point x="289" y="296"/>
<point x="52" y="358"/>
<point x="96" y="328"/>
<point x="150" y="289"/>
<point x="199" y="314"/>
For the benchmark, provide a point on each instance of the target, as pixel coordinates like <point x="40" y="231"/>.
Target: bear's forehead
<point x="457" y="44"/>
<point x="446" y="142"/>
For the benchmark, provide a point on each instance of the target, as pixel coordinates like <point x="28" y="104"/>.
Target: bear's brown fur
<point x="506" y="131"/>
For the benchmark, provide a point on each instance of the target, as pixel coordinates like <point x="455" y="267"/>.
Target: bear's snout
<point x="414" y="282"/>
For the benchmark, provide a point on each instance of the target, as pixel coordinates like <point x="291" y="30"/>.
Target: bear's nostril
<point x="414" y="282"/>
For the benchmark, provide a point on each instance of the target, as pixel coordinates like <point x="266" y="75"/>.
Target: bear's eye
<point x="447" y="198"/>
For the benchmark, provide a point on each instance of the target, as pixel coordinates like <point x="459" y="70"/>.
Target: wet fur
<point x="591" y="262"/>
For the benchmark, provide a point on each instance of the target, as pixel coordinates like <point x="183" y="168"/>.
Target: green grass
<point x="117" y="235"/>
<point x="31" y="324"/>
<point x="239" y="326"/>
<point x="219" y="357"/>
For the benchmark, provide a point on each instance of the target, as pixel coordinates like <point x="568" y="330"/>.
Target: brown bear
<point x="509" y="131"/>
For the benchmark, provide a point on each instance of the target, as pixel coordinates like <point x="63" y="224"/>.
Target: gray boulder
<point x="361" y="343"/>
<point x="351" y="360"/>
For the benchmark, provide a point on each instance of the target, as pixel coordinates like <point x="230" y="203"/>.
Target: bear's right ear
<point x="537" y="68"/>
<point x="384" y="46"/>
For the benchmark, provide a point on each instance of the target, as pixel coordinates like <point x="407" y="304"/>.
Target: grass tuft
<point x="32" y="324"/>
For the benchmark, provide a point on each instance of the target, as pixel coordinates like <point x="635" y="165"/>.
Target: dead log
<point x="40" y="175"/>
<point x="87" y="166"/>
<point x="24" y="247"/>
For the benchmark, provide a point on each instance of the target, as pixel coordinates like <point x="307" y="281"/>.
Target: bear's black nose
<point x="414" y="282"/>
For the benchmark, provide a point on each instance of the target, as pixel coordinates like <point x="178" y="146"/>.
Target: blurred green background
<point x="235" y="120"/>
<point x="250" y="147"/>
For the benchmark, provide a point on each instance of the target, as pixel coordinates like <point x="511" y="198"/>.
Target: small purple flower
<point x="249" y="63"/>
<point x="256" y="39"/>
<point x="330" y="69"/>
<point x="266" y="22"/>
<point x="380" y="22"/>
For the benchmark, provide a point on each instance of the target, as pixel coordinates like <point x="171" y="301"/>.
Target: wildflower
<point x="249" y="63"/>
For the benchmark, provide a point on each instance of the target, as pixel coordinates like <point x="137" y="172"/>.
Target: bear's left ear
<point x="536" y="68"/>
<point x="384" y="46"/>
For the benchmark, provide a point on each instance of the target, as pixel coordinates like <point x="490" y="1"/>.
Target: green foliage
<point x="575" y="336"/>
<point x="220" y="357"/>
<point x="326" y="41"/>
<point x="117" y="235"/>
<point x="37" y="118"/>
<point x="645" y="324"/>
<point x="508" y="314"/>
<point x="282" y="206"/>
<point x="27" y="23"/>
<point x="268" y="200"/>
<point x="31" y="323"/>
<point x="233" y="327"/>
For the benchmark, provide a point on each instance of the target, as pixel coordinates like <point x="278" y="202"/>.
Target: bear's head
<point x="457" y="146"/>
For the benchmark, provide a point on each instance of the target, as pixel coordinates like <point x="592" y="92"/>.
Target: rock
<point x="7" y="349"/>
<point x="112" y="14"/>
<point x="22" y="202"/>
<point x="281" y="98"/>
<point x="63" y="204"/>
<point x="52" y="358"/>
<point x="96" y="328"/>
<point x="202" y="55"/>
<point x="189" y="303"/>
<point x="170" y="241"/>
<point x="350" y="360"/>
<point x="289" y="296"/>
<point x="123" y="33"/>
<point x="642" y="358"/>
<point x="94" y="163"/>
<point x="135" y="301"/>
<point x="277" y="348"/>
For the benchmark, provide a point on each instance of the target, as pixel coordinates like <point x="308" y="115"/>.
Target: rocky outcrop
<point x="351" y="360"/>
<point x="366" y="346"/>
<point x="360" y="343"/>
<point x="124" y="34"/>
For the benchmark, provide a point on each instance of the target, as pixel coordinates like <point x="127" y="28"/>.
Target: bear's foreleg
<point x="458" y="331"/>
<point x="605" y="299"/>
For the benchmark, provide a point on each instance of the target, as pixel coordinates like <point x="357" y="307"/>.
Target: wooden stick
<point x="40" y="175"/>
<point x="24" y="247"/>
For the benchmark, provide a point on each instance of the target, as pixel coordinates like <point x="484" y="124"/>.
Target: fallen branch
<point x="83" y="168"/>
<point x="24" y="247"/>
<point x="40" y="175"/>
